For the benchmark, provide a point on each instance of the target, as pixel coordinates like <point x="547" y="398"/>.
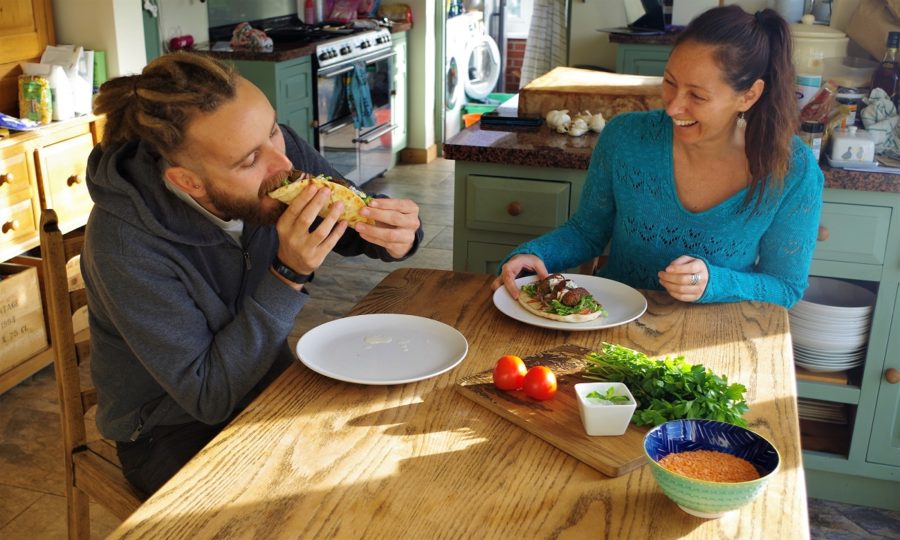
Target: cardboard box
<point x="22" y="331"/>
<point x="870" y="23"/>
<point x="579" y="90"/>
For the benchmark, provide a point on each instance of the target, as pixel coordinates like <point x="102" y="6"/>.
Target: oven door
<point x="337" y="144"/>
<point x="375" y="147"/>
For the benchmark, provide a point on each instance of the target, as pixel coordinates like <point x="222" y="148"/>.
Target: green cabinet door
<point x="399" y="94"/>
<point x="642" y="59"/>
<point x="884" y="444"/>
<point x="289" y="87"/>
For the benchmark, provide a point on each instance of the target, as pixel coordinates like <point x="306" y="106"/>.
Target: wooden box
<point x="22" y="330"/>
<point x="586" y="90"/>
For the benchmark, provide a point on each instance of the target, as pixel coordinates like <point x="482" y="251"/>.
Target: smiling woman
<point x="713" y="199"/>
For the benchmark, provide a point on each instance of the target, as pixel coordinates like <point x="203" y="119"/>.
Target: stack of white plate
<point x="830" y="325"/>
<point x="822" y="411"/>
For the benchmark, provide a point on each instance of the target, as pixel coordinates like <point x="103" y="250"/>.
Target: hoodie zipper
<point x="248" y="264"/>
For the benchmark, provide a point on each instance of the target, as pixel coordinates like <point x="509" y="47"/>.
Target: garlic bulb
<point x="583" y="115"/>
<point x="597" y="123"/>
<point x="578" y="128"/>
<point x="558" y="120"/>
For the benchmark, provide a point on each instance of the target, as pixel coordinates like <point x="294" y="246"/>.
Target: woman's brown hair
<point x="751" y="47"/>
<point x="157" y="105"/>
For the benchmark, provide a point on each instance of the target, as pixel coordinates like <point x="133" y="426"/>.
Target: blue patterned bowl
<point x="703" y="498"/>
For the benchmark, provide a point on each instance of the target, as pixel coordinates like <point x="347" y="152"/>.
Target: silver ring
<point x="695" y="279"/>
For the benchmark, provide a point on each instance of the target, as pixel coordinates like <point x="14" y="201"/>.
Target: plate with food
<point x="574" y="302"/>
<point x="383" y="348"/>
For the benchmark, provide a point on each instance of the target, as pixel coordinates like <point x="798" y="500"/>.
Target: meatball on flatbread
<point x="560" y="299"/>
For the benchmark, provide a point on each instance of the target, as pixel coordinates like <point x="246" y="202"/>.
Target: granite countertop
<point x="546" y="148"/>
<point x="280" y="51"/>
<point x="633" y="39"/>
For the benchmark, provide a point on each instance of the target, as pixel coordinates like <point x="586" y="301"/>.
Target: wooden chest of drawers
<point x="42" y="169"/>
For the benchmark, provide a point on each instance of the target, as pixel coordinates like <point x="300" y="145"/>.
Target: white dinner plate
<point x="382" y="349"/>
<point x="622" y="303"/>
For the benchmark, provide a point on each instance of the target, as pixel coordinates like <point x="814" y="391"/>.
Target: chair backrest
<point x="92" y="468"/>
<point x="65" y="296"/>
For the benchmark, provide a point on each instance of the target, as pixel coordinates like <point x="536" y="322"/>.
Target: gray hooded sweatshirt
<point x="185" y="323"/>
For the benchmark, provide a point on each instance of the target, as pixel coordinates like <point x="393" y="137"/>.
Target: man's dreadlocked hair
<point x="157" y="105"/>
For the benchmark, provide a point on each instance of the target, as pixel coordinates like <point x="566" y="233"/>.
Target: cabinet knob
<point x="823" y="233"/>
<point x="10" y="225"/>
<point x="6" y="178"/>
<point x="892" y="376"/>
<point x="514" y="208"/>
<point x="73" y="180"/>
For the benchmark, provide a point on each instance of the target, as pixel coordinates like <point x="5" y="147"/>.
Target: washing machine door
<point x="451" y="90"/>
<point x="482" y="67"/>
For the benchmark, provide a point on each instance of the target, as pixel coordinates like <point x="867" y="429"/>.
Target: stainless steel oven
<point x="359" y="154"/>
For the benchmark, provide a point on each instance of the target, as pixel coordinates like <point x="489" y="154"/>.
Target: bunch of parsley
<point x="668" y="389"/>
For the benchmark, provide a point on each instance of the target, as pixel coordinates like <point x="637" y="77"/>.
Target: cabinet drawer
<point x="17" y="223"/>
<point x="856" y="233"/>
<point x="515" y="205"/>
<point x="62" y="170"/>
<point x="13" y="179"/>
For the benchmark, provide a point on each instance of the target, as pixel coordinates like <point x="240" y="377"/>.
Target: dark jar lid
<point x="812" y="127"/>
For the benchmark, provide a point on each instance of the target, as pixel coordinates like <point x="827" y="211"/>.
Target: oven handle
<point x="389" y="54"/>
<point x="328" y="73"/>
<point x="331" y="129"/>
<point x="372" y="135"/>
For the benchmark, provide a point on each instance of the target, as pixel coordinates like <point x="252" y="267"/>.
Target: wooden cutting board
<point x="557" y="420"/>
<point x="588" y="90"/>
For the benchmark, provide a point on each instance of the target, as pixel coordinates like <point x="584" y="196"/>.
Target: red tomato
<point x="509" y="372"/>
<point x="540" y="383"/>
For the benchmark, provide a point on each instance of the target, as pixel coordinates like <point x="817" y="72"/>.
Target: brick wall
<point x="515" y="52"/>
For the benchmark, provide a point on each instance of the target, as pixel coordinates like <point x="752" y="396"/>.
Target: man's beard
<point x="248" y="210"/>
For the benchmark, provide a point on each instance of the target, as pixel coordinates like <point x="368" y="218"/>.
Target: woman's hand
<point x="396" y="223"/>
<point x="685" y="278"/>
<point x="514" y="267"/>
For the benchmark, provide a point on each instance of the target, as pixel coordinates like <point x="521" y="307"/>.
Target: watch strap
<point x="287" y="273"/>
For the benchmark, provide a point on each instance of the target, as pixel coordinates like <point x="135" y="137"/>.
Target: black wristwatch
<point x="282" y="270"/>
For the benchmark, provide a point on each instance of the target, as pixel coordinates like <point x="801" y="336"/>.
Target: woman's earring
<point x="741" y="121"/>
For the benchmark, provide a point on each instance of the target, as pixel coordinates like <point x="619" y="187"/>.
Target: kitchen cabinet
<point x="26" y="28"/>
<point x="642" y="59"/>
<point x="857" y="463"/>
<point x="42" y="169"/>
<point x="399" y="99"/>
<point x="289" y="87"/>
<point x="497" y="207"/>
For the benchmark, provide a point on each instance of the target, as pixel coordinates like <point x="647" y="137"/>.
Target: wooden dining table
<point x="315" y="457"/>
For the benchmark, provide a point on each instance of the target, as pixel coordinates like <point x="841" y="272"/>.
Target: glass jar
<point x="812" y="133"/>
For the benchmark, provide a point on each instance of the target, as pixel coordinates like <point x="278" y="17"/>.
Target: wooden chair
<point x="92" y="466"/>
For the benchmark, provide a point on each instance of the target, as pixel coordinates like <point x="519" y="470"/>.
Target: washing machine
<point x="472" y="67"/>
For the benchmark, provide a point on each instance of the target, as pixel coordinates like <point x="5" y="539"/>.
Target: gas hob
<point x="347" y="49"/>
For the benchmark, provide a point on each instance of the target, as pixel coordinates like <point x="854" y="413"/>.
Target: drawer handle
<point x="73" y="180"/>
<point x="823" y="233"/>
<point x="6" y="178"/>
<point x="514" y="208"/>
<point x="11" y="225"/>
<point x="892" y="376"/>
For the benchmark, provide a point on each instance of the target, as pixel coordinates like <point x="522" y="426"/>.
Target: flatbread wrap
<point x="354" y="200"/>
<point x="560" y="299"/>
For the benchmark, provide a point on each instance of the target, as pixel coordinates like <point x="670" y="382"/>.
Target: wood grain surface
<point x="558" y="420"/>
<point x="313" y="457"/>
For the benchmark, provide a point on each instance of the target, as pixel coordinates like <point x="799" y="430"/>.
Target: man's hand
<point x="514" y="267"/>
<point x="396" y="223"/>
<point x="299" y="249"/>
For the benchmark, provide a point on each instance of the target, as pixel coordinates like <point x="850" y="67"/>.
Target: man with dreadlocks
<point x="194" y="275"/>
